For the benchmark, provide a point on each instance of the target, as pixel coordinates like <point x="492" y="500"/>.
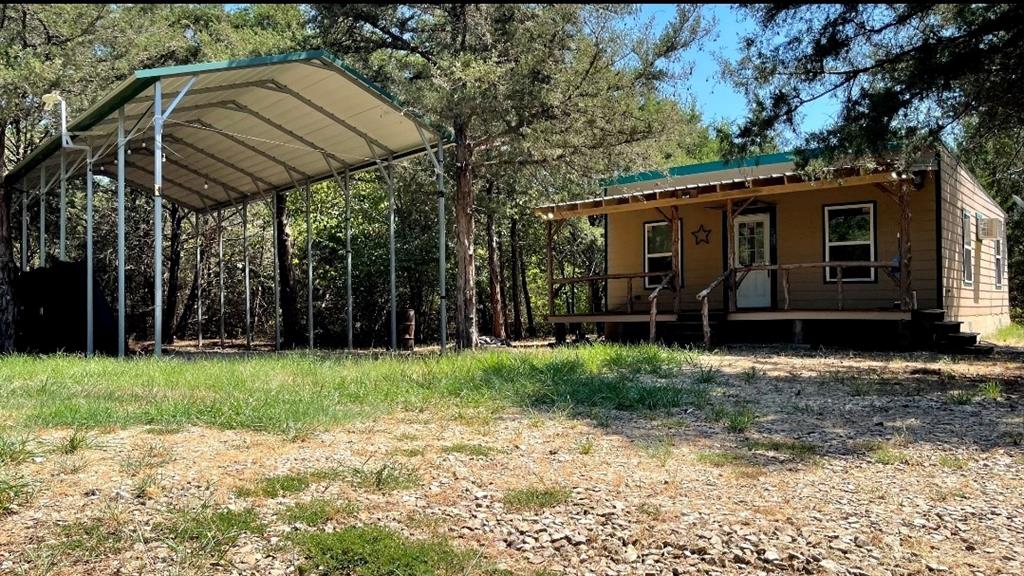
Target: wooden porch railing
<point x="628" y="276"/>
<point x="738" y="274"/>
<point x="653" y="299"/>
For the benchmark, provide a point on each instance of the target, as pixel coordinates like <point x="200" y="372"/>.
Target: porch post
<point x="158" y="226"/>
<point x="677" y="267"/>
<point x="42" y="216"/>
<point x="903" y="199"/>
<point x="90" y="348"/>
<point x="551" y="269"/>
<point x="121" y="143"/>
<point x="731" y="251"/>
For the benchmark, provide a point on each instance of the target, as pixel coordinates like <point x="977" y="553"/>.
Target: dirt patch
<point x="852" y="463"/>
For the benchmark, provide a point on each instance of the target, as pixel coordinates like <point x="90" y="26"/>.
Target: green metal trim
<point x="689" y="169"/>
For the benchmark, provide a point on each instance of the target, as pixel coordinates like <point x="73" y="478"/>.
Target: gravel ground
<point x="855" y="464"/>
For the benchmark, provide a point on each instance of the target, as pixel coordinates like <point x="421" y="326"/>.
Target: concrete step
<point x="928" y="315"/>
<point x="946" y="327"/>
<point x="962" y="339"/>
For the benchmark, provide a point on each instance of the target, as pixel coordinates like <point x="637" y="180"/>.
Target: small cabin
<point x="754" y="250"/>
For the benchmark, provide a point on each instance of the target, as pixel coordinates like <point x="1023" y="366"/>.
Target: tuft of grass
<point x="651" y="511"/>
<point x="206" y="533"/>
<point x="74" y="442"/>
<point x="797" y="449"/>
<point x="275" y="486"/>
<point x="145" y="486"/>
<point x="991" y="390"/>
<point x="317" y="511"/>
<point x="385" y="478"/>
<point x="379" y="551"/>
<point x="585" y="445"/>
<point x="152" y="455"/>
<point x="14" y="489"/>
<point x="705" y="374"/>
<point x="720" y="459"/>
<point x="93" y="538"/>
<point x="15" y="449"/>
<point x="960" y="397"/>
<point x="737" y="419"/>
<point x="751" y="376"/>
<point x="1010" y="335"/>
<point x="409" y="451"/>
<point x="882" y="452"/>
<point x="952" y="462"/>
<point x="861" y="387"/>
<point x="469" y="449"/>
<point x="536" y="498"/>
<point x="658" y="448"/>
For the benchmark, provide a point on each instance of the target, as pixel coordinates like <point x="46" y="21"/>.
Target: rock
<point x="830" y="566"/>
<point x="771" y="555"/>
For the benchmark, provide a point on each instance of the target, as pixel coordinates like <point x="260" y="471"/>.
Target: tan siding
<point x="800" y="238"/>
<point x="981" y="306"/>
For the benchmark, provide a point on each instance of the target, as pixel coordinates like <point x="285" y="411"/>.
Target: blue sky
<point x="715" y="98"/>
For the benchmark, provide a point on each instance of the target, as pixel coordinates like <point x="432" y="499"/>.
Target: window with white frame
<point x="658" y="251"/>
<point x="850" y="236"/>
<point x="968" y="249"/>
<point x="999" y="262"/>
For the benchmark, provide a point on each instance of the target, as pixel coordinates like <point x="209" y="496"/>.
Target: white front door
<point x="752" y="235"/>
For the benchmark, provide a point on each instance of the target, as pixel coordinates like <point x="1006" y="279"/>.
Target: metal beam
<point x="63" y="205"/>
<point x="42" y="216"/>
<point x="24" y="232"/>
<point x="199" y="279"/>
<point x="206" y="126"/>
<point x="173" y="182"/>
<point x="218" y="160"/>
<point x="277" y="279"/>
<point x="177" y="98"/>
<point x="243" y="109"/>
<point x="279" y="87"/>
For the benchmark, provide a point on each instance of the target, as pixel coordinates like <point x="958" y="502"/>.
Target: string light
<point x="206" y="185"/>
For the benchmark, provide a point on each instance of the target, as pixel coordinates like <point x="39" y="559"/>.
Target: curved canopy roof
<point x="243" y="129"/>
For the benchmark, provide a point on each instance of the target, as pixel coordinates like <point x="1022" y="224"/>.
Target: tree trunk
<point x="465" y="298"/>
<point x="517" y="317"/>
<point x="174" y="266"/>
<point x="494" y="272"/>
<point x="291" y="332"/>
<point x="181" y="328"/>
<point x="6" y="256"/>
<point x="531" y="328"/>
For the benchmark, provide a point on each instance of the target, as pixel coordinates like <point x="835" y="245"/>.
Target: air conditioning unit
<point x="990" y="228"/>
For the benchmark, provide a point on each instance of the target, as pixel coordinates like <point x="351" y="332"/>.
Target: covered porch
<point x="752" y="254"/>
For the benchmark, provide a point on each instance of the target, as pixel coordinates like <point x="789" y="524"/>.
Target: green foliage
<point x="797" y="449"/>
<point x="15" y="448"/>
<point x="14" y="489"/>
<point x="991" y="390"/>
<point x="378" y="551"/>
<point x="76" y="441"/>
<point x="536" y="498"/>
<point x="274" y="486"/>
<point x="960" y="397"/>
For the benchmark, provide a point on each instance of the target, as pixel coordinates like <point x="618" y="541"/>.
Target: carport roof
<point x="244" y="129"/>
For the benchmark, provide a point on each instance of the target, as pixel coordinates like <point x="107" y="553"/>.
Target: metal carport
<point x="239" y="131"/>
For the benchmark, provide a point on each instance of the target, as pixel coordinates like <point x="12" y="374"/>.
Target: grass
<point x="469" y="449"/>
<point x="1011" y="335"/>
<point x="207" y="533"/>
<point x="317" y="511"/>
<point x="885" y="453"/>
<point x="952" y="462"/>
<point x="659" y="448"/>
<point x="796" y="449"/>
<point x="991" y="390"/>
<point x="93" y="538"/>
<point x="290" y="393"/>
<point x="289" y="483"/>
<point x="960" y="397"/>
<point x="14" y="489"/>
<point x="536" y="498"/>
<point x="15" y="449"/>
<point x="585" y="445"/>
<point x="152" y="455"/>
<point x="74" y="442"/>
<point x="379" y="551"/>
<point x="720" y="459"/>
<point x="385" y="478"/>
<point x="737" y="419"/>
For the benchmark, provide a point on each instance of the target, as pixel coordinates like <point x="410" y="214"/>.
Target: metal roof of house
<point x="243" y="129"/>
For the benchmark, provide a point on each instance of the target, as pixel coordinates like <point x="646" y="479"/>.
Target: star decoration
<point x="702" y="235"/>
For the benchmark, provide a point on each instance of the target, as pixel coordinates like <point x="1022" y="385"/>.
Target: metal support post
<point x="348" y="260"/>
<point x="199" y="279"/>
<point x="24" y="232"/>
<point x="391" y="254"/>
<point x="245" y="251"/>
<point x="220" y="264"/>
<point x="277" y="280"/>
<point x="121" y="142"/>
<point x="63" y="205"/>
<point x="42" y="216"/>
<point x="90" y="348"/>
<point x="158" y="217"/>
<point x="441" y="247"/>
<point x="309" y="266"/>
